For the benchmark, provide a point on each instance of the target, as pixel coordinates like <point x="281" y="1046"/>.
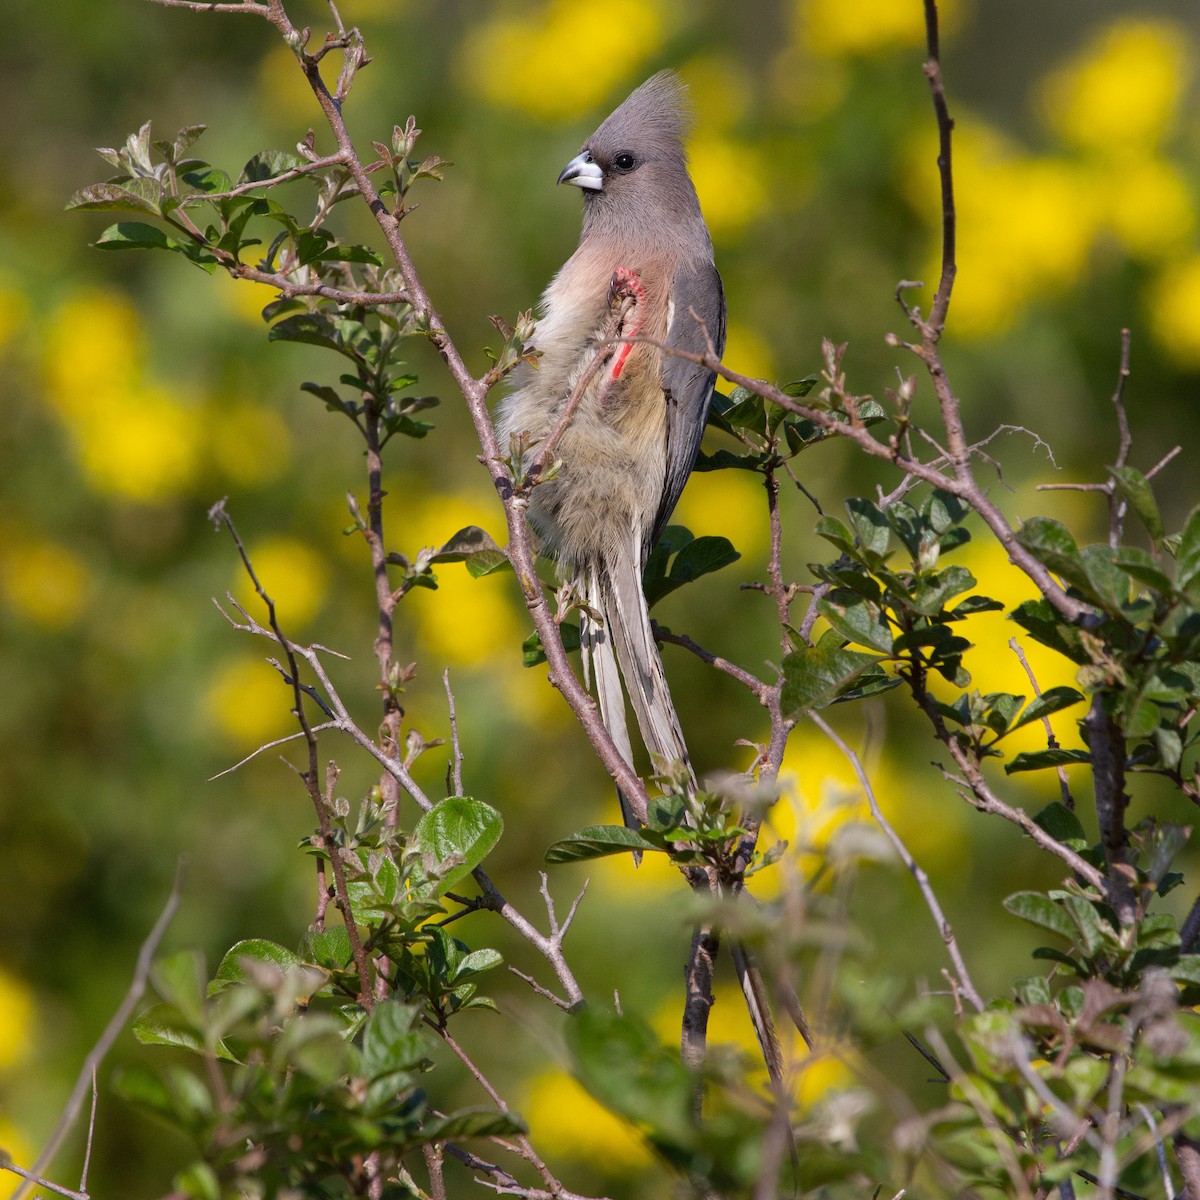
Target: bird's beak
<point x="583" y="171"/>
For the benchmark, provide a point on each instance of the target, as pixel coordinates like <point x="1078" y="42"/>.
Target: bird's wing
<point x="688" y="386"/>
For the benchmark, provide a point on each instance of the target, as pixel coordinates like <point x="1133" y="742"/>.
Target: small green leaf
<point x="857" y="619"/>
<point x="135" y="235"/>
<point x="599" y="841"/>
<point x="259" y="950"/>
<point x="870" y="525"/>
<point x="1051" y="543"/>
<point x="393" y="1039"/>
<point x="1040" y="910"/>
<point x="533" y="652"/>
<point x="472" y="1123"/>
<point x="1050" y="701"/>
<point x="814" y="676"/>
<point x="1062" y="825"/>
<point x="1187" y="556"/>
<point x="1136" y="490"/>
<point x="133" y="195"/>
<point x="459" y="829"/>
<point x="1039" y="760"/>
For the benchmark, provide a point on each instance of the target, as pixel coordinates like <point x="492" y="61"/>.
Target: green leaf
<point x="1039" y="760"/>
<point x="180" y="980"/>
<point x="1062" y="825"/>
<point x="599" y="841"/>
<point x="328" y="948"/>
<point x="856" y="618"/>
<point x="135" y="235"/>
<point x="1051" y="543"/>
<point x="620" y="1060"/>
<point x="269" y="163"/>
<point x="1136" y="490"/>
<point x="133" y="195"/>
<point x="1187" y="556"/>
<point x="1040" y="910"/>
<point x="259" y="950"/>
<point x="472" y="1123"/>
<point x="1046" y="626"/>
<point x="870" y="525"/>
<point x="974" y="604"/>
<point x="1050" y="701"/>
<point x="393" y="1039"/>
<point x="469" y="540"/>
<point x="814" y="676"/>
<point x="1109" y="584"/>
<point x="454" y="837"/>
<point x="695" y="557"/>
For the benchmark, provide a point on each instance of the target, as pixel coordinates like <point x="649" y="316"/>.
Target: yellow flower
<point x="1147" y="204"/>
<point x="292" y="574"/>
<point x="248" y="701"/>
<point x="133" y="437"/>
<point x="730" y="504"/>
<point x="1025" y="225"/>
<point x="527" y="57"/>
<point x="729" y="182"/>
<point x="250" y="443"/>
<point x="42" y="581"/>
<point x="16" y="1021"/>
<point x="1174" y="303"/>
<point x="837" y="28"/>
<point x="1122" y="91"/>
<point x="573" y="1125"/>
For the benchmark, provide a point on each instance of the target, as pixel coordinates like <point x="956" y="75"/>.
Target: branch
<point x="931" y="900"/>
<point x="116" y="1024"/>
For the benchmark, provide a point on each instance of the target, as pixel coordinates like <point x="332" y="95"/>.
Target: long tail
<point x="626" y="640"/>
<point x="627" y="620"/>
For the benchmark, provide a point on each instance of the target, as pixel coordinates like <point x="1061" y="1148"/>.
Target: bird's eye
<point x="624" y="161"/>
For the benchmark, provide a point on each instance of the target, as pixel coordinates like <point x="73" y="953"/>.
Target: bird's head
<point x="634" y="168"/>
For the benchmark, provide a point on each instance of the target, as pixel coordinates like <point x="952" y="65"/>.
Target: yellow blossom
<point x="1122" y="91"/>
<point x="1147" y="205"/>
<point x="133" y="437"/>
<point x="42" y="581"/>
<point x="729" y="181"/>
<point x="292" y="574"/>
<point x="837" y="28"/>
<point x="250" y="443"/>
<point x="527" y="57"/>
<point x="571" y="1124"/>
<point x="248" y="701"/>
<point x="730" y="504"/>
<point x="1174" y="304"/>
<point x="16" y="1021"/>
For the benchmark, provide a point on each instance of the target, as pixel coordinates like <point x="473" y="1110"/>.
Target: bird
<point x="627" y="414"/>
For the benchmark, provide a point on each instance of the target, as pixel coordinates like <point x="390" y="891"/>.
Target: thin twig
<point x="456" y="759"/>
<point x="931" y="901"/>
<point x="116" y="1024"/>
<point x="1051" y="741"/>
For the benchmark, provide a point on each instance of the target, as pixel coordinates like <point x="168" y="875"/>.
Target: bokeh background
<point x="137" y="390"/>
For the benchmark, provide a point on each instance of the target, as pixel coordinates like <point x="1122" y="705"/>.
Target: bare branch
<point x="915" y="869"/>
<point x="116" y="1024"/>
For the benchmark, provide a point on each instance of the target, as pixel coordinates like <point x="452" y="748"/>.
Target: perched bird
<point x="627" y="415"/>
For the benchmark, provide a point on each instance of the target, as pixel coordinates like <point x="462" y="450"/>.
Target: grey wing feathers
<point x="688" y="386"/>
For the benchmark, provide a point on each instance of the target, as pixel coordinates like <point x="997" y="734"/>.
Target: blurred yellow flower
<point x="1122" y="90"/>
<point x="837" y="28"/>
<point x="729" y="504"/>
<point x="1025" y="225"/>
<point x="16" y="1021"/>
<point x="719" y="91"/>
<point x="572" y="1125"/>
<point x="1174" y="304"/>
<point x="42" y="581"/>
<point x="729" y="181"/>
<point x="527" y="57"/>
<point x="248" y="701"/>
<point x="1147" y="204"/>
<point x="133" y="438"/>
<point x="292" y="574"/>
<point x="746" y="353"/>
<point x="250" y="444"/>
<point x="467" y="621"/>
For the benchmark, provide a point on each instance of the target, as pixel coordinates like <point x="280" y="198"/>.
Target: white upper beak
<point x="583" y="171"/>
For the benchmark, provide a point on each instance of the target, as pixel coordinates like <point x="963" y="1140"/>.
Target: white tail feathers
<point x="626" y="640"/>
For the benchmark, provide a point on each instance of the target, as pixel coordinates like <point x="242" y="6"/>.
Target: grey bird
<point x="628" y="416"/>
